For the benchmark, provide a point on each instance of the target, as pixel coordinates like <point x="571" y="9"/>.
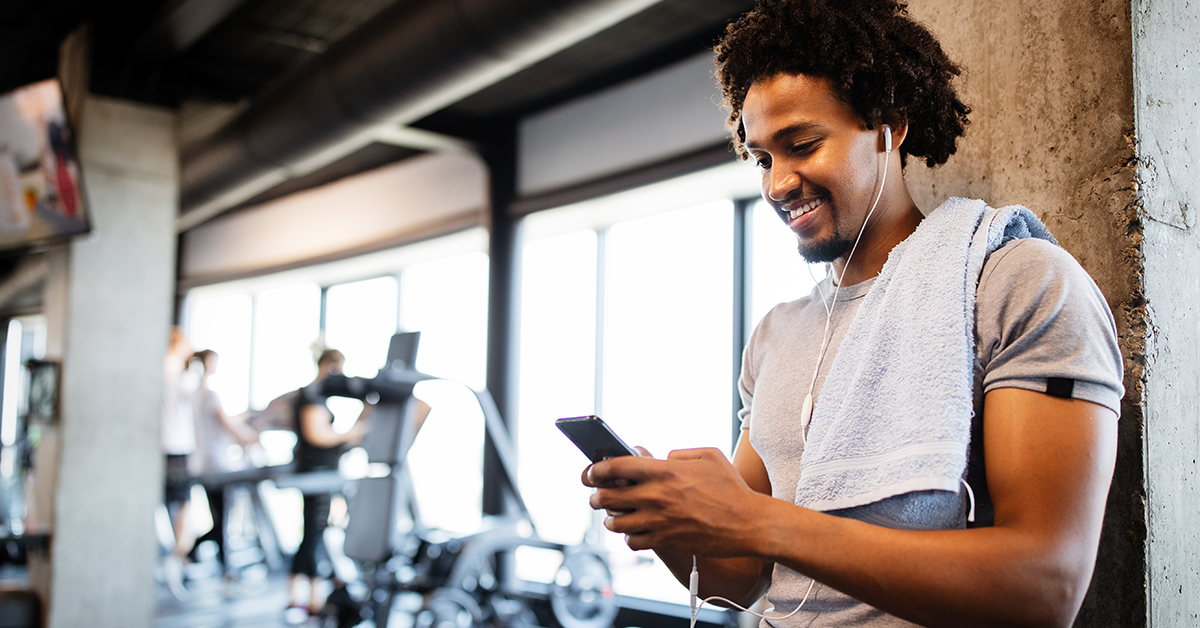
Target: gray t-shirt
<point x="1041" y="324"/>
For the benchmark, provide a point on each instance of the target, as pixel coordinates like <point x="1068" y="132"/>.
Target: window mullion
<point x="742" y="242"/>
<point x="601" y="263"/>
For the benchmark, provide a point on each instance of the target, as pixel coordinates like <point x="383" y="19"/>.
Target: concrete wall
<point x="1051" y="86"/>
<point x="110" y="331"/>
<point x="1166" y="59"/>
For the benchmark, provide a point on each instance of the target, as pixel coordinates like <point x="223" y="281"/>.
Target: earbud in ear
<point x="887" y="138"/>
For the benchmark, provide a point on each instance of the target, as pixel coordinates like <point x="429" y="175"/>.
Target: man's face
<point x="819" y="161"/>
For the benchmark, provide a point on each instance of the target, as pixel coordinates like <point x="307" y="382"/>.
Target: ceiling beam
<point x="420" y="139"/>
<point x="413" y="59"/>
<point x="179" y="26"/>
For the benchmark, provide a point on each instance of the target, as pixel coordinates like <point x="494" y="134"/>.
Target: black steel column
<point x="4" y="323"/>
<point x="323" y="311"/>
<point x="504" y="271"/>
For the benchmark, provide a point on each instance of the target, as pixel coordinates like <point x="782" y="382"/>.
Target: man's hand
<point x="695" y="501"/>
<point x="743" y="579"/>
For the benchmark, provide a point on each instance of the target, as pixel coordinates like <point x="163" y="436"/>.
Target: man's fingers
<point x="638" y="541"/>
<point x="586" y="476"/>
<point x="620" y="471"/>
<point x="588" y="480"/>
<point x="607" y="499"/>
<point x="627" y="524"/>
<point x="633" y="469"/>
<point x="703" y="453"/>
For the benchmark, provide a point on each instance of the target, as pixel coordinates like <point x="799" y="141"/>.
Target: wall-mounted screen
<point x="41" y="192"/>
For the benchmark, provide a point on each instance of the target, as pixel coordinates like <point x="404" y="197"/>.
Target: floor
<point x="212" y="602"/>
<point x="256" y="600"/>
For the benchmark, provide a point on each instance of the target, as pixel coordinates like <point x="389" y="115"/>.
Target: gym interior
<point x="546" y="192"/>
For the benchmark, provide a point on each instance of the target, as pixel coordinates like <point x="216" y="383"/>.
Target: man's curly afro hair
<point x="885" y="66"/>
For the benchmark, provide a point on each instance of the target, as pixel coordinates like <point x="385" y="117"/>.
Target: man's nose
<point x="782" y="185"/>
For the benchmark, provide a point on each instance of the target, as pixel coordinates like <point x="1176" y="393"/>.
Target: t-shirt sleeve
<point x="746" y="381"/>
<point x="1043" y="325"/>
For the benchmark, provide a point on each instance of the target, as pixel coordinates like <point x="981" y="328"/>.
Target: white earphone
<point x="806" y="409"/>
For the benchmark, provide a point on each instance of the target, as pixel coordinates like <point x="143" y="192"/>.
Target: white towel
<point x="894" y="414"/>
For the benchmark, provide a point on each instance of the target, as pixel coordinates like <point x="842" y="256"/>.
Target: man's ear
<point x="899" y="132"/>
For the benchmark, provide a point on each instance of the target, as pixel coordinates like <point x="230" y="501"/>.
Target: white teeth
<point x="804" y="209"/>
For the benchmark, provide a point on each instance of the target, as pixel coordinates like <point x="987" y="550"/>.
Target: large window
<point x="223" y="323"/>
<point x="287" y="321"/>
<point x="668" y="328"/>
<point x="25" y="340"/>
<point x="446" y="300"/>
<point x="634" y="319"/>
<point x="267" y="331"/>
<point x="631" y="312"/>
<point x="558" y="377"/>
<point x="360" y="317"/>
<point x="777" y="272"/>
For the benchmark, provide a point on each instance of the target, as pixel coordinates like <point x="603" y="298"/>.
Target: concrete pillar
<point x="1087" y="113"/>
<point x="1052" y="85"/>
<point x="110" y="332"/>
<point x="1166" y="57"/>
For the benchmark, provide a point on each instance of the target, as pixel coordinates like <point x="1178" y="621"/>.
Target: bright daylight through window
<point x="630" y="316"/>
<point x="265" y="332"/>
<point x="634" y="321"/>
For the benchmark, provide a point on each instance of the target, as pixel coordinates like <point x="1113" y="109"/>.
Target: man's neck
<point x="887" y="228"/>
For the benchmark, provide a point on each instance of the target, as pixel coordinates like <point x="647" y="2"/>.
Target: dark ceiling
<point x="226" y="52"/>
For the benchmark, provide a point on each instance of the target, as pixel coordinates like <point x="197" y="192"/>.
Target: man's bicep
<point x="1049" y="464"/>
<point x="1043" y="325"/>
<point x="750" y="466"/>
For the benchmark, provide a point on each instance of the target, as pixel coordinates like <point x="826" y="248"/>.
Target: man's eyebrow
<point x="785" y="132"/>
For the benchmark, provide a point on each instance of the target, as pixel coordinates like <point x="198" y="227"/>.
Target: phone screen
<point x="594" y="438"/>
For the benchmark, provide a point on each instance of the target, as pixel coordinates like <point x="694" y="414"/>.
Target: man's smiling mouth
<point x="799" y="210"/>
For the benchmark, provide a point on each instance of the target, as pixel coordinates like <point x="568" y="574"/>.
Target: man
<point x="843" y="497"/>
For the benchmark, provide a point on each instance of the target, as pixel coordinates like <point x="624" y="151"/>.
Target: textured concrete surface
<point x="117" y="317"/>
<point x="1166" y="59"/>
<point x="1051" y="86"/>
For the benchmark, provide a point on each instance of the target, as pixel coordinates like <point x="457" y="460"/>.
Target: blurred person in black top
<point x="318" y="448"/>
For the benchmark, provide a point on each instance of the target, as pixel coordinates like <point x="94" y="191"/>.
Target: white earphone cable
<point x="807" y="409"/>
<point x="697" y="603"/>
<point x="694" y="580"/>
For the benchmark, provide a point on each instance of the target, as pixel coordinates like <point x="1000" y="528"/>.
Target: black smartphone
<point x="594" y="438"/>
